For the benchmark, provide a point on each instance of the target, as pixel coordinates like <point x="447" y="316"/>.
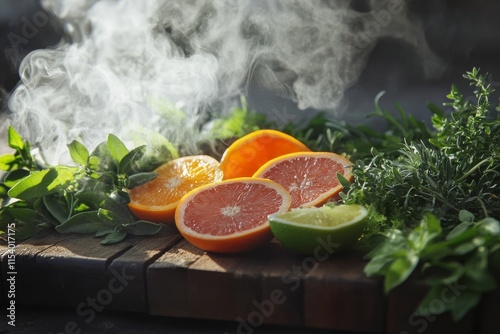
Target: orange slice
<point x="230" y="216"/>
<point x="310" y="177"/>
<point x="248" y="153"/>
<point x="157" y="200"/>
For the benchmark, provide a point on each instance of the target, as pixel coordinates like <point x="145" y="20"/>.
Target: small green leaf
<point x="465" y="216"/>
<point x="343" y="181"/>
<point x="15" y="140"/>
<point x="104" y="231"/>
<point x="8" y="161"/>
<point x="114" y="237"/>
<point x="78" y="152"/>
<point x="378" y="265"/>
<point x="84" y="222"/>
<point x="399" y="271"/>
<point x="139" y="179"/>
<point x="142" y="227"/>
<point x="59" y="211"/>
<point x="42" y="183"/>
<point x="117" y="148"/>
<point x="459" y="229"/>
<point x="120" y="196"/>
<point x="128" y="164"/>
<point x="465" y="301"/>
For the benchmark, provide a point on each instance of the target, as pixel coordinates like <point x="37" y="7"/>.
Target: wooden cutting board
<point x="166" y="276"/>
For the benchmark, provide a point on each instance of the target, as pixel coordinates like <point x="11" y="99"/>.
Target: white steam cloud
<point x="121" y="60"/>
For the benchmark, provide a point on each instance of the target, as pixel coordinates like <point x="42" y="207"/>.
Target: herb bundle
<point x="86" y="198"/>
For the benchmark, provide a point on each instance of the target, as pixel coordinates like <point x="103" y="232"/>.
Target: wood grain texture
<point x="165" y="275"/>
<point x="338" y="295"/>
<point x="134" y="263"/>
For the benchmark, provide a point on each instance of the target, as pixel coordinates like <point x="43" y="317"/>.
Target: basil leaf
<point x="117" y="148"/>
<point x="114" y="237"/>
<point x="15" y="140"/>
<point x="84" y="222"/>
<point x="399" y="271"/>
<point x="42" y="183"/>
<point x="59" y="211"/>
<point x="7" y="161"/>
<point x="78" y="152"/>
<point x="13" y="177"/>
<point x="138" y="179"/>
<point x="128" y="164"/>
<point x="142" y="227"/>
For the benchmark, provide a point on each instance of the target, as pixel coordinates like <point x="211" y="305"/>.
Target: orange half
<point x="310" y="177"/>
<point x="248" y="153"/>
<point x="157" y="200"/>
<point x="230" y="216"/>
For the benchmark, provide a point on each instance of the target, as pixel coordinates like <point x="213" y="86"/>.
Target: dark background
<point x="462" y="33"/>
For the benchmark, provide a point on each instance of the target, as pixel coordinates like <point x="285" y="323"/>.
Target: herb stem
<point x="474" y="168"/>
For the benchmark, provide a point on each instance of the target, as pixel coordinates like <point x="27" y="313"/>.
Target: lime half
<point x="322" y="230"/>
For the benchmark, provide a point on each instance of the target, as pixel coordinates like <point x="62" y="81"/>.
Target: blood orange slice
<point x="248" y="153"/>
<point x="157" y="200"/>
<point x="230" y="216"/>
<point x="310" y="177"/>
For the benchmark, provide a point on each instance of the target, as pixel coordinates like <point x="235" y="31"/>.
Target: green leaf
<point x="465" y="216"/>
<point x="459" y="229"/>
<point x="465" y="301"/>
<point x="142" y="227"/>
<point x="399" y="271"/>
<point x="59" y="211"/>
<point x="15" y="140"/>
<point x="120" y="196"/>
<point x="84" y="222"/>
<point x="13" y="177"/>
<point x="114" y="237"/>
<point x="8" y="161"/>
<point x="117" y="148"/>
<point x="42" y="183"/>
<point x="378" y="265"/>
<point x="139" y="179"/>
<point x="128" y="164"/>
<point x="343" y="181"/>
<point x="78" y="152"/>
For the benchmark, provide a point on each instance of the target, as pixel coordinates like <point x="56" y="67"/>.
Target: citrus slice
<point x="310" y="177"/>
<point x="323" y="230"/>
<point x="157" y="199"/>
<point x="230" y="216"/>
<point x="248" y="153"/>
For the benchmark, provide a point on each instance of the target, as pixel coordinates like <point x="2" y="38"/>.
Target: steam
<point x="166" y="65"/>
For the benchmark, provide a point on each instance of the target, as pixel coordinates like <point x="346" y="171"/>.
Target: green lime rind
<point x="313" y="231"/>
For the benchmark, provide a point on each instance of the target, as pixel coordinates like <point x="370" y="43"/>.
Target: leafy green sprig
<point x="452" y="181"/>
<point x="87" y="198"/>
<point x="466" y="258"/>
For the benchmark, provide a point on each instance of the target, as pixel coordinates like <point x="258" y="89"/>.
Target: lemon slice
<point x="315" y="230"/>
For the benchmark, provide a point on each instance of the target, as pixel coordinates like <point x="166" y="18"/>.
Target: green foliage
<point x="454" y="173"/>
<point x="240" y="122"/>
<point x="466" y="258"/>
<point x="88" y="198"/>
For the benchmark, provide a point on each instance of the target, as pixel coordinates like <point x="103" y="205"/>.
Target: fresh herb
<point x="356" y="141"/>
<point x="467" y="257"/>
<point x="86" y="198"/>
<point x="436" y="203"/>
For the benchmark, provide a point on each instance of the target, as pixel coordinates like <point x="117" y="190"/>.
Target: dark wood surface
<point x="165" y="276"/>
